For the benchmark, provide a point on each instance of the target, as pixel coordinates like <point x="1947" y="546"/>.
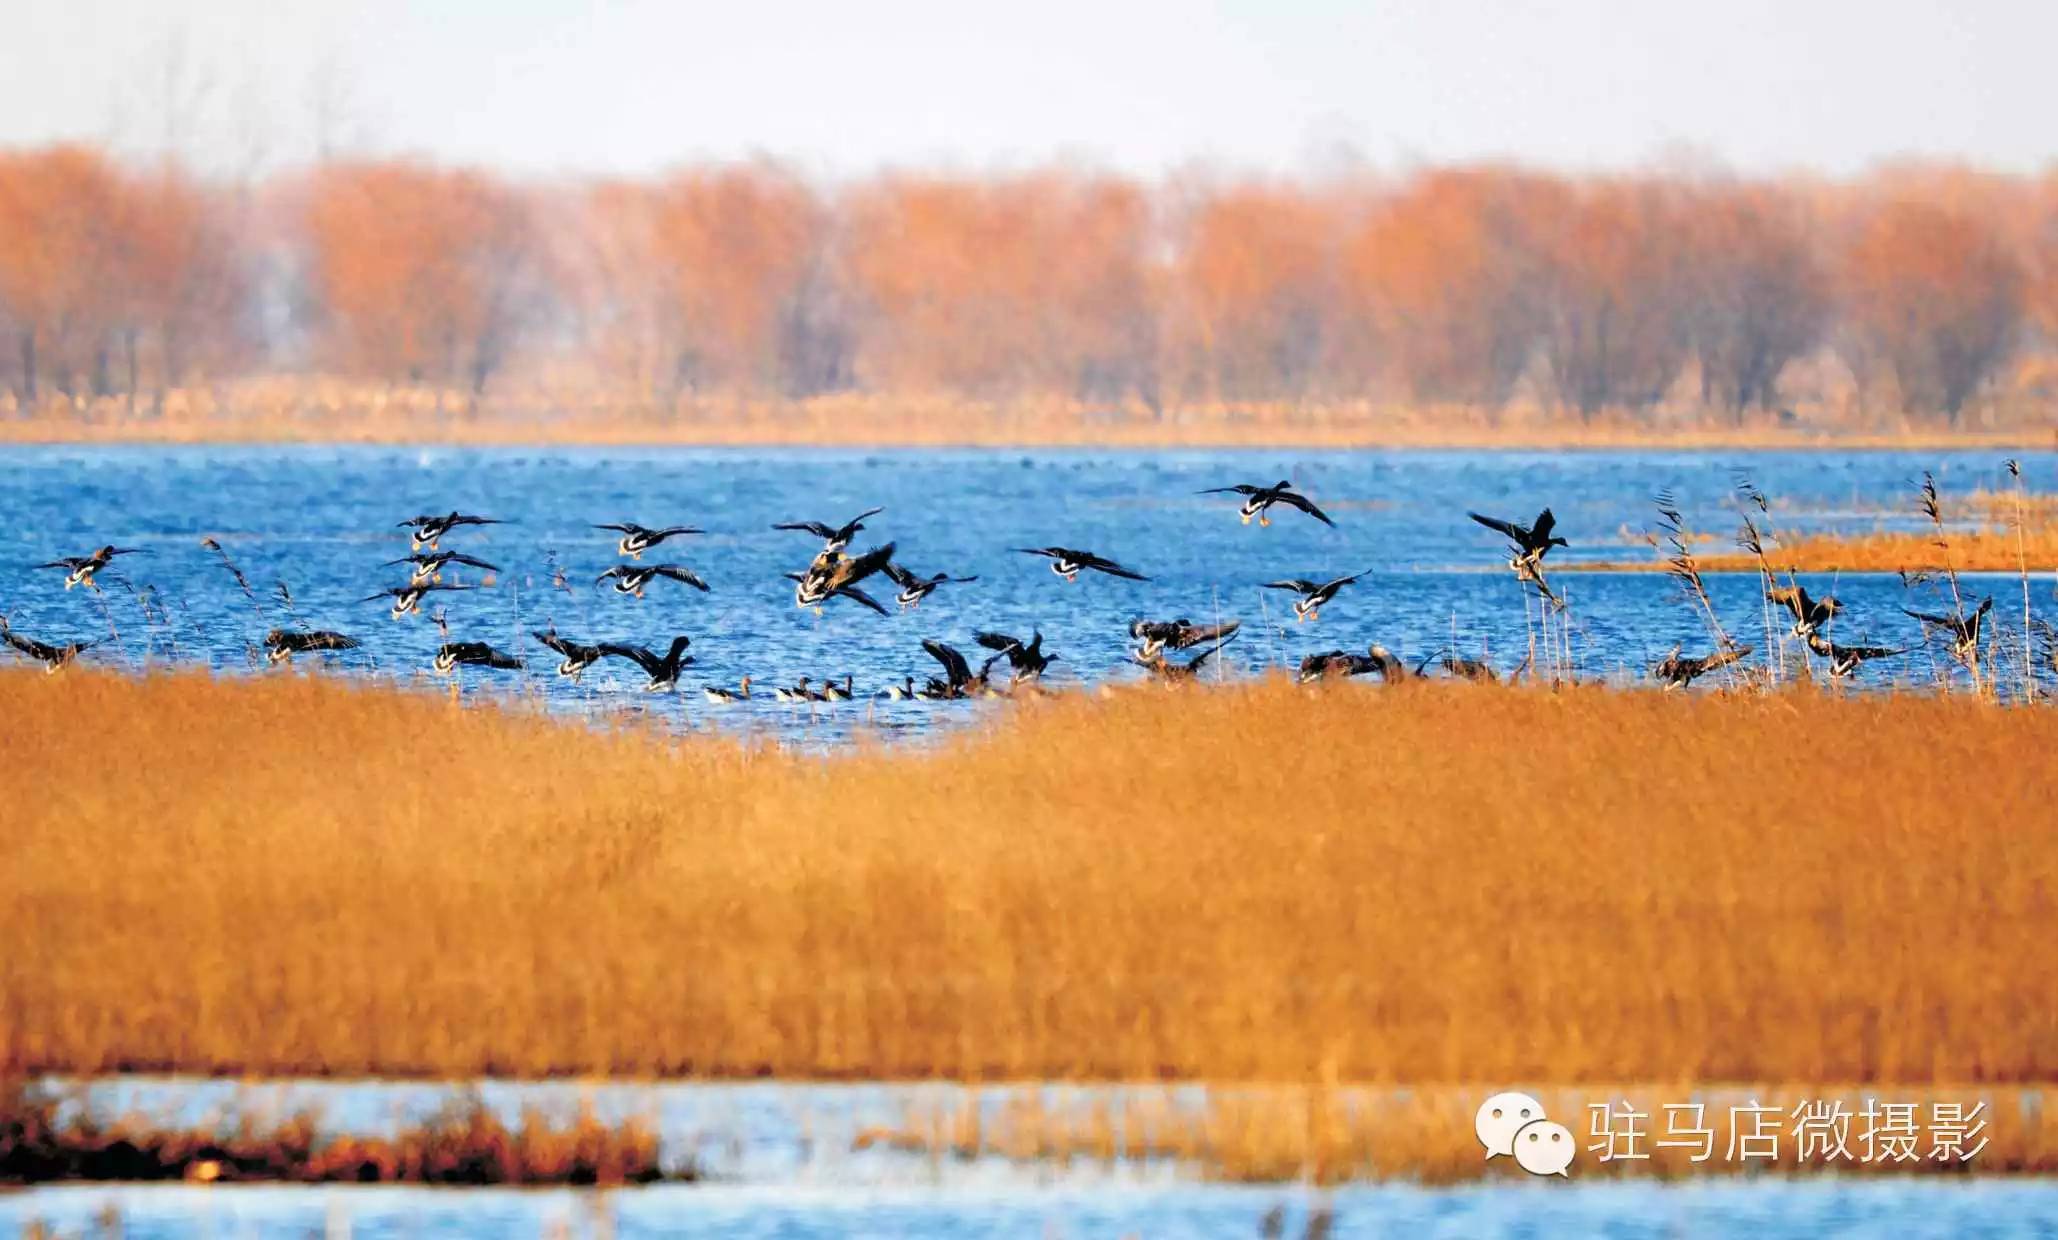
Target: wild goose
<point x="637" y="539"/>
<point x="1963" y="630"/>
<point x="833" y="692"/>
<point x="902" y="692"/>
<point x="832" y="572"/>
<point x="1330" y="664"/>
<point x="425" y="568"/>
<point x="1257" y="499"/>
<point x="634" y="580"/>
<point x="280" y="645"/>
<point x="1026" y="660"/>
<point x="662" y="670"/>
<point x="1844" y="661"/>
<point x="1679" y="671"/>
<point x="427" y="530"/>
<point x="724" y="697"/>
<point x="52" y="657"/>
<point x="834" y="538"/>
<point x="452" y="655"/>
<point x="959" y="681"/>
<point x="407" y="600"/>
<point x="1166" y="669"/>
<point x="1532" y="542"/>
<point x="1462" y="668"/>
<point x="1810" y="614"/>
<point x="1312" y="594"/>
<point x="914" y="589"/>
<point x="79" y="569"/>
<point x="797" y="692"/>
<point x="852" y="593"/>
<point x="1158" y="636"/>
<point x="578" y="656"/>
<point x="1068" y="563"/>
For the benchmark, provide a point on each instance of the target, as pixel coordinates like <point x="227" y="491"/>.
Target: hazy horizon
<point x="632" y="88"/>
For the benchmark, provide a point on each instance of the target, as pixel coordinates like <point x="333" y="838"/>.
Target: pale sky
<point x="632" y="86"/>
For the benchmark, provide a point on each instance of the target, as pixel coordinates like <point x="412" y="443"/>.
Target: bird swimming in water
<point x="79" y="569"/>
<point x="1257" y="499"/>
<point x="280" y="645"/>
<point x="407" y="600"/>
<point x="52" y="657"/>
<point x="914" y="589"/>
<point x="1158" y="636"/>
<point x="834" y="538"/>
<point x="637" y="539"/>
<point x="428" y="530"/>
<point x="1068" y="563"/>
<point x="425" y="568"/>
<point x="635" y="579"/>
<point x="577" y="656"/>
<point x="725" y="697"/>
<point x="1810" y="614"/>
<point x="1313" y="595"/>
<point x="1679" y="671"/>
<point x="452" y="655"/>
<point x="664" y="669"/>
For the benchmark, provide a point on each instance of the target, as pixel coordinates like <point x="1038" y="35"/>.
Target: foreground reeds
<point x="289" y="875"/>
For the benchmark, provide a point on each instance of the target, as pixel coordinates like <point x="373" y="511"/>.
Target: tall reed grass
<point x="1415" y="883"/>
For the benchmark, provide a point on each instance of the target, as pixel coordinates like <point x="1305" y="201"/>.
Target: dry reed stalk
<point x="1256" y="881"/>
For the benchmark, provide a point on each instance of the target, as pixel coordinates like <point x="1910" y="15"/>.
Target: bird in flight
<point x="834" y="538"/>
<point x="1678" y="671"/>
<point x="637" y="539"/>
<point x="280" y="645"/>
<point x="635" y="579"/>
<point x="1810" y="614"/>
<point x="1068" y="563"/>
<point x="428" y="529"/>
<point x="1313" y="594"/>
<point x="79" y="569"/>
<point x="1257" y="499"/>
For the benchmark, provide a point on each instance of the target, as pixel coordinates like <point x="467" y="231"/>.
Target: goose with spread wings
<point x="1257" y="500"/>
<point x="1811" y="615"/>
<point x="1531" y="542"/>
<point x="637" y="539"/>
<point x="1313" y="594"/>
<point x="575" y="656"/>
<point x="635" y="579"/>
<point x="407" y="599"/>
<point x="79" y="569"/>
<point x="1068" y="563"/>
<point x="52" y="657"/>
<point x="426" y="568"/>
<point x="959" y="681"/>
<point x="834" y="537"/>
<point x="664" y="669"/>
<point x="1678" y="671"/>
<point x="1157" y="636"/>
<point x="1963" y="631"/>
<point x="833" y="572"/>
<point x="1845" y="661"/>
<point x="280" y="645"/>
<point x="452" y="655"/>
<point x="914" y="588"/>
<point x="1165" y="669"/>
<point x="427" y="530"/>
<point x="1027" y="659"/>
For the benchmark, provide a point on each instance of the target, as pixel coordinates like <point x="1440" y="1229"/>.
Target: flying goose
<point x="1532" y="542"/>
<point x="1963" y="630"/>
<point x="724" y="697"/>
<point x="578" y="656"/>
<point x="280" y="645"/>
<point x="79" y="569"/>
<point x="832" y="572"/>
<point x="452" y="655"/>
<point x="52" y="657"/>
<point x="1159" y="636"/>
<point x="959" y="682"/>
<point x="1257" y="499"/>
<point x="635" y="579"/>
<point x="1810" y="614"/>
<point x="428" y="530"/>
<point x="852" y="593"/>
<point x="637" y="539"/>
<point x="1678" y="672"/>
<point x="407" y="600"/>
<point x="1844" y="661"/>
<point x="1068" y="563"/>
<point x="834" y="538"/>
<point x="1028" y="661"/>
<point x="914" y="589"/>
<point x="424" y="568"/>
<point x="1166" y="669"/>
<point x="662" y="670"/>
<point x="1312" y="594"/>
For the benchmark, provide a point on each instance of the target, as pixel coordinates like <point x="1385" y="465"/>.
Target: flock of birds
<point x="837" y="572"/>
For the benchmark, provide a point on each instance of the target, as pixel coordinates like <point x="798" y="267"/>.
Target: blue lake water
<point x="782" y="1161"/>
<point x="321" y="519"/>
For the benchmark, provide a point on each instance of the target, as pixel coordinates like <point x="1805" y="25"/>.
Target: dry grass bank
<point x="289" y="875"/>
<point x="1986" y="549"/>
<point x="296" y="409"/>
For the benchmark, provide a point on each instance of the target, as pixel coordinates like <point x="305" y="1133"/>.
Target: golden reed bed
<point x="288" y="875"/>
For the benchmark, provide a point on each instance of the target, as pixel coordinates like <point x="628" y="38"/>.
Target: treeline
<point x="1470" y="286"/>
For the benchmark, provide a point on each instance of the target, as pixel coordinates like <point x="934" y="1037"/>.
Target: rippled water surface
<point x="321" y="519"/>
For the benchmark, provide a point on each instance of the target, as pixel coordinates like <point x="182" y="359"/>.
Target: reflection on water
<point x="321" y="521"/>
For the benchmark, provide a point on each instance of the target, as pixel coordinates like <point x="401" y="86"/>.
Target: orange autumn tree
<point x="1613" y="292"/>
<point x="1759" y="294"/>
<point x="420" y="274"/>
<point x="1025" y="284"/>
<point x="1937" y="294"/>
<point x="61" y="216"/>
